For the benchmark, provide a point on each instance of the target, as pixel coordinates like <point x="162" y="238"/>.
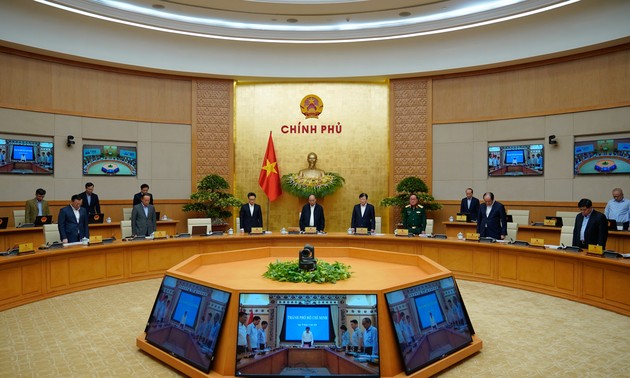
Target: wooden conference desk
<point x="593" y="280"/>
<point x="618" y="241"/>
<point x="11" y="236"/>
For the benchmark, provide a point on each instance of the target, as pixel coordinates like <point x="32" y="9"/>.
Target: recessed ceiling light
<point x="157" y="6"/>
<point x="292" y="20"/>
<point x="404" y="14"/>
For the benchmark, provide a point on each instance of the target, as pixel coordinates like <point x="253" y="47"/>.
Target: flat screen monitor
<point x="186" y="321"/>
<point x="317" y="328"/>
<point x="516" y="160"/>
<point x="430" y="321"/>
<point x="109" y="160"/>
<point x="604" y="156"/>
<point x="26" y="157"/>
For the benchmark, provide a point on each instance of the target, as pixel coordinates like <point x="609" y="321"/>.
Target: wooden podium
<point x="375" y="272"/>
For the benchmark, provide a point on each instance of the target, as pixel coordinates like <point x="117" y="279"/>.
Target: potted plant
<point x="212" y="201"/>
<point x="406" y="187"/>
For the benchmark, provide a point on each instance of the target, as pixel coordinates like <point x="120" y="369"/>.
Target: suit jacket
<point x="68" y="226"/>
<point x="94" y="207"/>
<point x="30" y="210"/>
<point x="318" y="217"/>
<point x="137" y="198"/>
<point x="141" y="224"/>
<point x="368" y="220"/>
<point x="473" y="210"/>
<point x="596" y="231"/>
<point x="248" y="220"/>
<point x="495" y="224"/>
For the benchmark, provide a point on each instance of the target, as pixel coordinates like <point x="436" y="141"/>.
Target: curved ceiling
<point x="307" y="21"/>
<point x="311" y="39"/>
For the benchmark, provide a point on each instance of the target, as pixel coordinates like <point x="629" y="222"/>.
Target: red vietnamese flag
<point x="269" y="179"/>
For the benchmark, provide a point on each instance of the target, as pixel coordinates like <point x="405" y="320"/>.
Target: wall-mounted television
<point x="430" y="321"/>
<point x="25" y="157"/>
<point x="186" y="321"/>
<point x="515" y="160"/>
<point x="110" y="160"/>
<point x="602" y="156"/>
<point x="284" y="347"/>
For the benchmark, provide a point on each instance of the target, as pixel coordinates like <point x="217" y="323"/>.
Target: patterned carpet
<point x="92" y="334"/>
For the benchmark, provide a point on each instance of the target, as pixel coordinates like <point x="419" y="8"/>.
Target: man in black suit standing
<point x="591" y="226"/>
<point x="491" y="219"/>
<point x="137" y="198"/>
<point x="363" y="215"/>
<point x="250" y="213"/>
<point x="73" y="222"/>
<point x="470" y="205"/>
<point x="90" y="199"/>
<point x="143" y="222"/>
<point x="312" y="215"/>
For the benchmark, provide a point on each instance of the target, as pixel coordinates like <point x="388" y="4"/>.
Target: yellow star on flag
<point x="270" y="167"/>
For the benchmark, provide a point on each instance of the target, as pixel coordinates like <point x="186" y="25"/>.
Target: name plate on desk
<point x="310" y="230"/>
<point x="96" y="239"/>
<point x="462" y="218"/>
<point x="159" y="235"/>
<point x="256" y="231"/>
<point x="25" y="247"/>
<point x="472" y="236"/>
<point x="537" y="242"/>
<point x="550" y="222"/>
<point x="595" y="249"/>
<point x="361" y="231"/>
<point x="402" y="232"/>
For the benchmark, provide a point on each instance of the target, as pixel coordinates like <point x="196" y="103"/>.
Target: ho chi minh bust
<point x="311" y="171"/>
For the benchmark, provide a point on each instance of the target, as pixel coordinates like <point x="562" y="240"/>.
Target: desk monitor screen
<point x="157" y="215"/>
<point x="558" y="220"/>
<point x="4" y="221"/>
<point x="42" y="220"/>
<point x="186" y="320"/>
<point x="282" y="347"/>
<point x="509" y="218"/>
<point x="96" y="218"/>
<point x="612" y="225"/>
<point x="430" y="321"/>
<point x="199" y="230"/>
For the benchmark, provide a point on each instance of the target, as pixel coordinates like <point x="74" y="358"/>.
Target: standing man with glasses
<point x="591" y="226"/>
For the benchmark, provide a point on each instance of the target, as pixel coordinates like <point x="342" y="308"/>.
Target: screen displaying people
<point x="250" y="214"/>
<point x="363" y="215"/>
<point x="312" y="215"/>
<point x="73" y="221"/>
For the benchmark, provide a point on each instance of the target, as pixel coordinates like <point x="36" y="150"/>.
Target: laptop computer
<point x="199" y="230"/>
<point x="509" y="218"/>
<point x="157" y="215"/>
<point x="612" y="225"/>
<point x="96" y="218"/>
<point x="4" y="221"/>
<point x="41" y="220"/>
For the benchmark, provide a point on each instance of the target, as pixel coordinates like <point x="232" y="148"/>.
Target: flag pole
<point x="267" y="214"/>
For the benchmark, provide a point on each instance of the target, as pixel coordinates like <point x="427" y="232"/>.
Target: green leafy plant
<point x="289" y="271"/>
<point x="303" y="187"/>
<point x="211" y="198"/>
<point x="406" y="187"/>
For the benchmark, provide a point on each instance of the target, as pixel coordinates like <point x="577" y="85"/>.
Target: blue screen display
<point x="514" y="157"/>
<point x="429" y="311"/>
<point x="23" y="153"/>
<point x="297" y="318"/>
<point x="188" y="304"/>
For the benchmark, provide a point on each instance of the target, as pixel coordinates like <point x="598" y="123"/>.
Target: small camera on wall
<point x="307" y="260"/>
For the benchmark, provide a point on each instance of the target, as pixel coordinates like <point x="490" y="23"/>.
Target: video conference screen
<point x="430" y="321"/>
<point x="186" y="321"/>
<point x="602" y="156"/>
<point x="109" y="160"/>
<point x="274" y="330"/>
<point x="516" y="160"/>
<point x="26" y="157"/>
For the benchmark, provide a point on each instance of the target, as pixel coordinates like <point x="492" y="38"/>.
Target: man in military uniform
<point x="414" y="217"/>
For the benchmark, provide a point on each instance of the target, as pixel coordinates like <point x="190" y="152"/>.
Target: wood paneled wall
<point x="554" y="87"/>
<point x="36" y="84"/>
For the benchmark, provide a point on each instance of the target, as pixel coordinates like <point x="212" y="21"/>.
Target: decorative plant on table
<point x="289" y="271"/>
<point x="212" y="199"/>
<point x="406" y="187"/>
<point x="321" y="187"/>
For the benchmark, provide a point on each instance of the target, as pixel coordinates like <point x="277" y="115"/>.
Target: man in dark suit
<point x="591" y="226"/>
<point x="73" y="221"/>
<point x="470" y="205"/>
<point x="491" y="219"/>
<point x="250" y="214"/>
<point x="90" y="200"/>
<point x="312" y="215"/>
<point x="363" y="215"/>
<point x="137" y="198"/>
<point x="143" y="221"/>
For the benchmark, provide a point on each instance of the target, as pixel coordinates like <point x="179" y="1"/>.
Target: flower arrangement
<point x="289" y="271"/>
<point x="302" y="187"/>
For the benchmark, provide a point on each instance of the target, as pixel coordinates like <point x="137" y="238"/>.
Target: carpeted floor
<point x="92" y="334"/>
